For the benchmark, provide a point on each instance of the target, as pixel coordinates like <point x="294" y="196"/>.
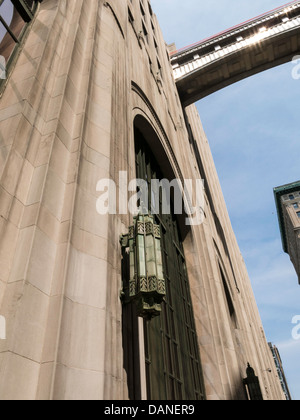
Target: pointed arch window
<point x="171" y="351"/>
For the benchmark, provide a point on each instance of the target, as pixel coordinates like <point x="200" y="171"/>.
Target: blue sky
<point x="6" y="11"/>
<point x="253" y="131"/>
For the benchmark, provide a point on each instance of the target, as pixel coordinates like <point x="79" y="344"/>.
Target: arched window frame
<point x="172" y="360"/>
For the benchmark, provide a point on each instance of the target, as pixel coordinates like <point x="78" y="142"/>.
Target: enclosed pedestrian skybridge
<point x="242" y="51"/>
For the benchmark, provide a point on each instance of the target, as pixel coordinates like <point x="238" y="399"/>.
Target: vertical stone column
<point x="89" y="359"/>
<point x="41" y="119"/>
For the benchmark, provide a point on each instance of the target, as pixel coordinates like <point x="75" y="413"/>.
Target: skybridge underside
<point x="200" y="76"/>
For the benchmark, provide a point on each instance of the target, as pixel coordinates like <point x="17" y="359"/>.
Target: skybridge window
<point x="14" y="18"/>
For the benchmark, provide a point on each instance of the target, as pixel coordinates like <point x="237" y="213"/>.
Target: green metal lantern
<point x="146" y="284"/>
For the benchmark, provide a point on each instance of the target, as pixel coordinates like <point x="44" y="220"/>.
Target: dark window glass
<point x="172" y="354"/>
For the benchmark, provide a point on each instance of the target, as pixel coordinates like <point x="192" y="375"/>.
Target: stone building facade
<point x="280" y="370"/>
<point x="89" y="80"/>
<point x="287" y="198"/>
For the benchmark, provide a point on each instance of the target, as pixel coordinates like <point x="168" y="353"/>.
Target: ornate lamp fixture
<point x="146" y="284"/>
<point x="252" y="385"/>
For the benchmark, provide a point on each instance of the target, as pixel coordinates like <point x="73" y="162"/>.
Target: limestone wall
<point x="86" y="70"/>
